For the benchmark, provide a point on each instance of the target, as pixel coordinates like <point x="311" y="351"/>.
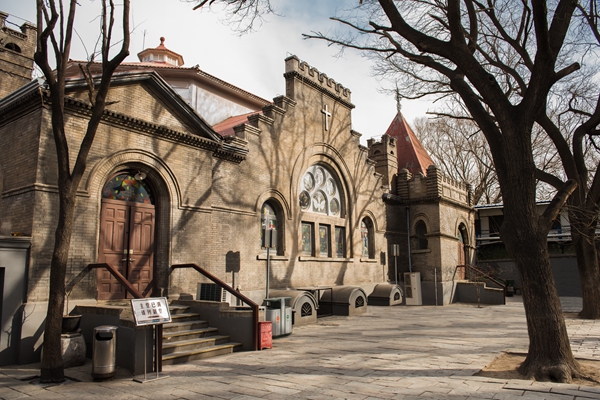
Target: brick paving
<point x="389" y="353"/>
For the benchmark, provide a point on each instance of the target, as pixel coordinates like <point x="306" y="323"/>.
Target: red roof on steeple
<point x="411" y="153"/>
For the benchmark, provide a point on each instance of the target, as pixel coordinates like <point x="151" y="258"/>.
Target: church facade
<point x="187" y="168"/>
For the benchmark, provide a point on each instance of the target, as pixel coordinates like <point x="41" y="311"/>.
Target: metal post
<point x="436" y="286"/>
<point x="396" y="253"/>
<point x="268" y="269"/>
<point x="408" y="237"/>
<point x="396" y="269"/>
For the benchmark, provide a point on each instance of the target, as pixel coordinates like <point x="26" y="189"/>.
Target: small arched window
<point x="13" y="47"/>
<point x="268" y="222"/>
<point x="420" y="233"/>
<point x="366" y="236"/>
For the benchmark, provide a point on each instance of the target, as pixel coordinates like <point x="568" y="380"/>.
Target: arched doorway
<point x="126" y="235"/>
<point x="462" y="256"/>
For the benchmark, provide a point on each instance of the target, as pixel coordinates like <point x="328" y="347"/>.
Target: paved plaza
<point x="389" y="353"/>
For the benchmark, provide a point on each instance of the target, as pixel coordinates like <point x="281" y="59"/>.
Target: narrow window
<point x="307" y="239"/>
<point x="324" y="240"/>
<point x="420" y="233"/>
<point x="366" y="235"/>
<point x="268" y="223"/>
<point x="340" y="242"/>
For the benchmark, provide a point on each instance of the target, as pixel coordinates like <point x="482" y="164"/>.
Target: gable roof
<point x="225" y="128"/>
<point x="411" y="153"/>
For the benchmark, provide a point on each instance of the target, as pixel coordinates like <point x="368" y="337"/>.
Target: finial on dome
<point x="398" y="100"/>
<point x="162" y="40"/>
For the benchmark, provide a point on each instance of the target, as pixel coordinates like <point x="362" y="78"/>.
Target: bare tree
<point x="55" y="22"/>
<point x="459" y="149"/>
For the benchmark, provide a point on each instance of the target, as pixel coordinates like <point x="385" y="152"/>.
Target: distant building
<point x="492" y="254"/>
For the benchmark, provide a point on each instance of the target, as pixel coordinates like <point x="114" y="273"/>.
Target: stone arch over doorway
<point x="166" y="195"/>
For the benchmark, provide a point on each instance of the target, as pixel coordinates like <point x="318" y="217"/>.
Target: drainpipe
<point x="408" y="236"/>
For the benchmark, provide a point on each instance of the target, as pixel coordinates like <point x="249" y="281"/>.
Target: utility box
<point x="278" y="310"/>
<point x="412" y="289"/>
<point x="104" y="353"/>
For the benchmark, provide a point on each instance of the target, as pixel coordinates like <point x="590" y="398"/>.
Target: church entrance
<point x="126" y="236"/>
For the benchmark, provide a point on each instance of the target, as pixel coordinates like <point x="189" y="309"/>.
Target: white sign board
<point x="151" y="311"/>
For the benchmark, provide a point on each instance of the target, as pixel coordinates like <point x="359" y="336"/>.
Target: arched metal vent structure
<point x="386" y="294"/>
<point x="344" y="300"/>
<point x="303" y="303"/>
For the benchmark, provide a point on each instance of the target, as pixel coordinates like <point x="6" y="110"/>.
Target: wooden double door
<point x="127" y="243"/>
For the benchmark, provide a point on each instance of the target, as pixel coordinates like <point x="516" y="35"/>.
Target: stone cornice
<point x="220" y="150"/>
<point x="320" y="88"/>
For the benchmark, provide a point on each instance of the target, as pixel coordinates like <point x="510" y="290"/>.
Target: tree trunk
<point x="549" y="357"/>
<point x="525" y="234"/>
<point x="582" y="235"/>
<point x="52" y="369"/>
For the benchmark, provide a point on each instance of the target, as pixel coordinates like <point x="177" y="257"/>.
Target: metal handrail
<point x="497" y="281"/>
<point x="253" y="305"/>
<point x="122" y="280"/>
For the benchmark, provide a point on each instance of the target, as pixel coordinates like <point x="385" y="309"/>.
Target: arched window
<point x="125" y="187"/>
<point x="13" y="47"/>
<point x="319" y="192"/>
<point x="420" y="233"/>
<point x="366" y="236"/>
<point x="268" y="222"/>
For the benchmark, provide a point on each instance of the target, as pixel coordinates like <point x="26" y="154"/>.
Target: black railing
<point x="480" y="273"/>
<point x="244" y="299"/>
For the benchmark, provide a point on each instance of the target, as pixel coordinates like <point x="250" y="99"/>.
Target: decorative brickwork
<point x="16" y="55"/>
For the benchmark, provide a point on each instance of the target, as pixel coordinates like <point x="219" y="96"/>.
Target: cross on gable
<point x="327" y="116"/>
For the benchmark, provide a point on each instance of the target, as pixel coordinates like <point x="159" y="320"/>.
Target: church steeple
<point x="161" y="54"/>
<point x="411" y="153"/>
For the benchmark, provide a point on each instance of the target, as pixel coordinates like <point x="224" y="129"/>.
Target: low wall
<point x="236" y="323"/>
<point x="132" y="341"/>
<point x="564" y="269"/>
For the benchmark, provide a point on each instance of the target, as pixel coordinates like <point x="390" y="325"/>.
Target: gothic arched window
<point x="420" y="233"/>
<point x="269" y="227"/>
<point x="366" y="236"/>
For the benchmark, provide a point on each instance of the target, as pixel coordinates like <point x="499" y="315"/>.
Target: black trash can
<point x="104" y="352"/>
<point x="510" y="287"/>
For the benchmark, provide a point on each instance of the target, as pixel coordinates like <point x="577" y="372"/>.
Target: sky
<point x="254" y="61"/>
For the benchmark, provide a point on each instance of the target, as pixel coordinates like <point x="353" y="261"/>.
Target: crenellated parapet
<point x="435" y="186"/>
<point x="300" y="70"/>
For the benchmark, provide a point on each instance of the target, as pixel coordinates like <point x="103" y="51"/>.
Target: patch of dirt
<point x="505" y="367"/>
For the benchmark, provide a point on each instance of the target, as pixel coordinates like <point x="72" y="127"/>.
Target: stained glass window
<point x="125" y="187"/>
<point x="323" y="240"/>
<point x="307" y="234"/>
<point x="319" y="192"/>
<point x="364" y="235"/>
<point x="340" y="240"/>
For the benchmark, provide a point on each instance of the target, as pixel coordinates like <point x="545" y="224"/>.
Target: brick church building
<point x="187" y="168"/>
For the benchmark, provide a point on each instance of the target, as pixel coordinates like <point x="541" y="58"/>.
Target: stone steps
<point x="189" y="338"/>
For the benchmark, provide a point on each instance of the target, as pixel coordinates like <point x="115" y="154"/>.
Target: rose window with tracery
<point x="319" y="192"/>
